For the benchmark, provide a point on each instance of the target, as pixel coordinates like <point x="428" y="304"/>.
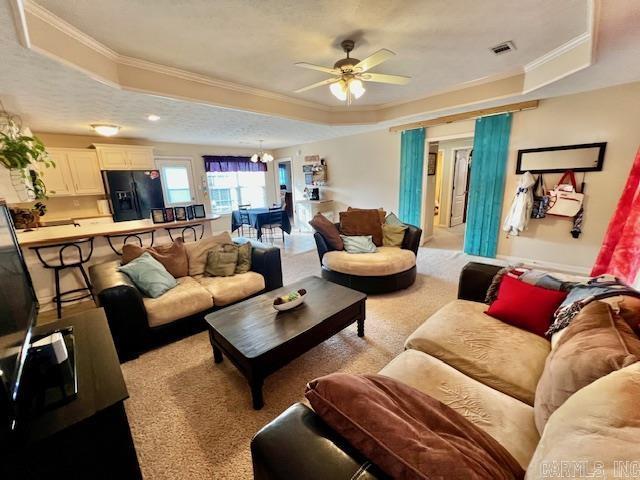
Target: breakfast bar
<point x="34" y="245"/>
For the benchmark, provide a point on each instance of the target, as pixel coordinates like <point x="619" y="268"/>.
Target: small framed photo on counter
<point x="198" y="211"/>
<point x="157" y="215"/>
<point x="189" y="212"/>
<point x="181" y="213"/>
<point x="169" y="214"/>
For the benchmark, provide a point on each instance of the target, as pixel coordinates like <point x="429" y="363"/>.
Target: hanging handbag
<point x="564" y="200"/>
<point x="540" y="199"/>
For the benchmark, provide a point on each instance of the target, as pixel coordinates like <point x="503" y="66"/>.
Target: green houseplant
<point x="23" y="155"/>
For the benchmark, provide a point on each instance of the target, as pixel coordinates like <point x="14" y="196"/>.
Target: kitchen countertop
<point x="64" y="233"/>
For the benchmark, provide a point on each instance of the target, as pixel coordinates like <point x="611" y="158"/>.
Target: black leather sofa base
<point x="373" y="285"/>
<point x="298" y="444"/>
<point x="127" y="316"/>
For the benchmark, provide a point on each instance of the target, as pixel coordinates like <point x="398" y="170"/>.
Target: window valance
<point x="224" y="163"/>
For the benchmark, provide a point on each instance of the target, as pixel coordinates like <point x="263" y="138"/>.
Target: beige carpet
<point x="192" y="419"/>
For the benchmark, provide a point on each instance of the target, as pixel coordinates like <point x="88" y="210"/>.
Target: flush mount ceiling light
<point x="106" y="130"/>
<point x="261" y="156"/>
<point x="349" y="73"/>
<point x="153" y="118"/>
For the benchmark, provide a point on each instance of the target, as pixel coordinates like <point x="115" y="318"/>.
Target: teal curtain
<point x="486" y="186"/>
<point x="411" y="166"/>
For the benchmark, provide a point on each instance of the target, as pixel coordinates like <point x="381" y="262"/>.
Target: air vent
<point x="503" y="48"/>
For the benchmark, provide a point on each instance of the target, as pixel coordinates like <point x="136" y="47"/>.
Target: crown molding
<point x="120" y="71"/>
<point x="558" y="52"/>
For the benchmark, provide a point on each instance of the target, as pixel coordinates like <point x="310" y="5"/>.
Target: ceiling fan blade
<point x="373" y="60"/>
<point x="384" y="78"/>
<point x="320" y="68"/>
<point x="317" y="84"/>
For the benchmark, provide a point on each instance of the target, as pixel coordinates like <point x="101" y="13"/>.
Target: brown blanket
<point x="407" y="433"/>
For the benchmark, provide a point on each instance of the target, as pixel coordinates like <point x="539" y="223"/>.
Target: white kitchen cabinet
<point x="76" y="173"/>
<point x="57" y="180"/>
<point x="85" y="172"/>
<point x="125" y="157"/>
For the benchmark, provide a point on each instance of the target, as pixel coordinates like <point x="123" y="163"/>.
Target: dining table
<point x="257" y="218"/>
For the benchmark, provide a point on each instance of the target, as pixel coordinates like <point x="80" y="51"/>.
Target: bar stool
<point x="78" y="257"/>
<point x="184" y="229"/>
<point x="137" y="236"/>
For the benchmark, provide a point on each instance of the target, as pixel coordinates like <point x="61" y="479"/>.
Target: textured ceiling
<point x="55" y="98"/>
<point x="439" y="43"/>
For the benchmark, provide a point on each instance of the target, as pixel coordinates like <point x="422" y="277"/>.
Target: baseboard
<point x="557" y="267"/>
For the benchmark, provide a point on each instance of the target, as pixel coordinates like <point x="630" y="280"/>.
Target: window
<point x="227" y="190"/>
<point x="177" y="186"/>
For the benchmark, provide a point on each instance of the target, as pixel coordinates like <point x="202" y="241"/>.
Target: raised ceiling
<point x="439" y="43"/>
<point x="54" y="96"/>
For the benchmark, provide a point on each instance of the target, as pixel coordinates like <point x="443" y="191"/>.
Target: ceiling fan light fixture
<point x="105" y="130"/>
<point x="339" y="90"/>
<point x="261" y="156"/>
<point x="356" y="88"/>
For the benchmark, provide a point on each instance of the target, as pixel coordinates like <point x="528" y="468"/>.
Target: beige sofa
<point x="138" y="322"/>
<point x="487" y="371"/>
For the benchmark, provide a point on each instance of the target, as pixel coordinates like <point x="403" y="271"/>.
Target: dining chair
<point x="245" y="219"/>
<point x="274" y="221"/>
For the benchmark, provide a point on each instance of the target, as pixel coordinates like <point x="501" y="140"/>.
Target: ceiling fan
<point x="349" y="73"/>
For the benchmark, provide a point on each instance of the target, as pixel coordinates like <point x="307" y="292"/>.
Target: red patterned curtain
<point x="620" y="252"/>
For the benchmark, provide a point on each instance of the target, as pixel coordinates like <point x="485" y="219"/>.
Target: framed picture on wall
<point x="432" y="160"/>
<point x="181" y="214"/>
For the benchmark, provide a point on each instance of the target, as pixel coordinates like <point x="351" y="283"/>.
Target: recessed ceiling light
<point x="106" y="130"/>
<point x="153" y="118"/>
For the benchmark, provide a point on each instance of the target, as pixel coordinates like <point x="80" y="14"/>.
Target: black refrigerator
<point x="133" y="194"/>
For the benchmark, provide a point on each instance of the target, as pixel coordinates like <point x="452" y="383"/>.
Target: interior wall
<point x="364" y="169"/>
<point x="195" y="152"/>
<point x="607" y="115"/>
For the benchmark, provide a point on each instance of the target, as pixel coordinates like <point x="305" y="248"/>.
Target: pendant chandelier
<point x="261" y="156"/>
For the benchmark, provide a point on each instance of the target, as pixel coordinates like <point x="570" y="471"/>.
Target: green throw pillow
<point x="149" y="275"/>
<point x="244" y="258"/>
<point x="393" y="235"/>
<point x="221" y="261"/>
<point x="358" y="243"/>
<point x="392" y="219"/>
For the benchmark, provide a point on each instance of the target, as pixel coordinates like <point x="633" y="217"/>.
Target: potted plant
<point x="23" y="154"/>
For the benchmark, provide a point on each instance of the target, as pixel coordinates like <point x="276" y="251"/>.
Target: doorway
<point x="284" y="186"/>
<point x="460" y="186"/>
<point x="449" y="189"/>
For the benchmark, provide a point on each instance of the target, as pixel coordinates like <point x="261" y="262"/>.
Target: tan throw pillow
<point x="328" y="230"/>
<point x="355" y="223"/>
<point x="393" y="235"/>
<point x="596" y="343"/>
<point x="173" y="257"/>
<point x="381" y="212"/>
<point x="197" y="251"/>
<point x="221" y="261"/>
<point x="244" y="258"/>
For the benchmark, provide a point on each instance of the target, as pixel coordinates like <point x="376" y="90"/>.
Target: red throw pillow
<point x="525" y="306"/>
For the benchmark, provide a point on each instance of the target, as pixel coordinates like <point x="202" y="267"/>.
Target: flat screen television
<point x="18" y="312"/>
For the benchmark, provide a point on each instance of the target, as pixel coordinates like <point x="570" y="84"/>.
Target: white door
<point x="85" y="172"/>
<point x="177" y="182"/>
<point x="459" y="194"/>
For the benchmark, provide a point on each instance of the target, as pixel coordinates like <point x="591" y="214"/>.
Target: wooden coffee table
<point x="259" y="340"/>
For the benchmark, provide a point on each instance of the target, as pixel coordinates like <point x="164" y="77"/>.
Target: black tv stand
<point x="82" y="436"/>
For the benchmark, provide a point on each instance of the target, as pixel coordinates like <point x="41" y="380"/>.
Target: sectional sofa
<point x="487" y="371"/>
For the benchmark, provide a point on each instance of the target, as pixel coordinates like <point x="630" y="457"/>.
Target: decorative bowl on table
<point x="290" y="300"/>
